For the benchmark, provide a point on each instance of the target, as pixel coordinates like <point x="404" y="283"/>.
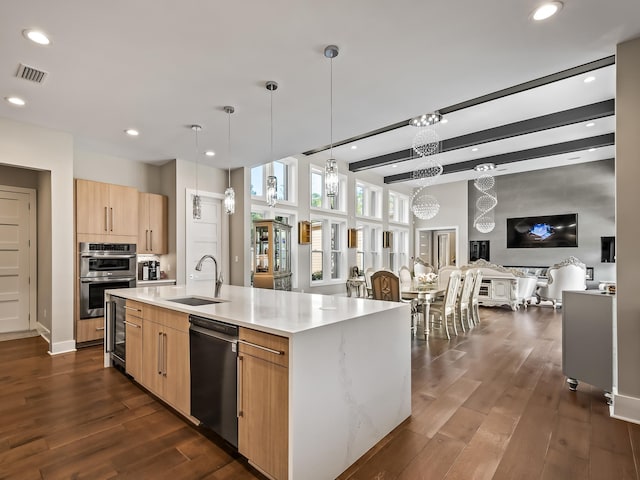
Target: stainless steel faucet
<point x="218" y="279"/>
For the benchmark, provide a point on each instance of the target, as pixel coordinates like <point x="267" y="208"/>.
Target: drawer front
<point x="272" y="343"/>
<point x="89" y="329"/>
<point x="169" y="318"/>
<point x="134" y="309"/>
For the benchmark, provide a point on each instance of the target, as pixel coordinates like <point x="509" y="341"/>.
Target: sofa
<point x="504" y="286"/>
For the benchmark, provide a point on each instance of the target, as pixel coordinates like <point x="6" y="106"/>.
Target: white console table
<point x="587" y="338"/>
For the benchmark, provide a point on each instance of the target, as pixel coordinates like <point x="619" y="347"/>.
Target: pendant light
<point x="229" y="193"/>
<point x="197" y="208"/>
<point x="331" y="180"/>
<point x="272" y="181"/>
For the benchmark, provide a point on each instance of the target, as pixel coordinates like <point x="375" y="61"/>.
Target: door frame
<point x="33" y="257"/>
<point x="416" y="237"/>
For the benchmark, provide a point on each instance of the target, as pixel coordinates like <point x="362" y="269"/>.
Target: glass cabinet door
<point x="286" y="233"/>
<point x="277" y="258"/>
<point x="262" y="248"/>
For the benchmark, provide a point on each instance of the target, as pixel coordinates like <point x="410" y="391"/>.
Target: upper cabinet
<point x="152" y="226"/>
<point x="106" y="209"/>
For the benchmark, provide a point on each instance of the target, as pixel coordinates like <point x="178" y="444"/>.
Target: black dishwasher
<point x="214" y="387"/>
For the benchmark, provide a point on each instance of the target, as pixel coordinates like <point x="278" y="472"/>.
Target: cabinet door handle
<point x="160" y="354"/>
<point x="101" y="328"/>
<point x="146" y="239"/>
<point x="239" y="412"/>
<point x="131" y="324"/>
<point x="106" y="219"/>
<point x="151" y="239"/>
<point x="111" y="219"/>
<point x="266" y="349"/>
<point x="164" y="349"/>
<point x="131" y="308"/>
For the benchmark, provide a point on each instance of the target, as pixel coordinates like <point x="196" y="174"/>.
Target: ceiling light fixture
<point x="36" y="36"/>
<point x="426" y="120"/>
<point x="444" y="120"/>
<point x="17" y="101"/>
<point x="546" y="10"/>
<point x="484" y="167"/>
<point x="331" y="179"/>
<point x="354" y="147"/>
<point x="229" y="193"/>
<point x="589" y="79"/>
<point x="272" y="181"/>
<point x="132" y="132"/>
<point x="475" y="149"/>
<point x="592" y="149"/>
<point x="210" y="153"/>
<point x="195" y="199"/>
<point x="484" y="220"/>
<point x="590" y="124"/>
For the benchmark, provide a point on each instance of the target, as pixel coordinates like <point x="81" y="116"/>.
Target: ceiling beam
<point x="519" y="156"/>
<point x="538" y="82"/>
<point x="523" y="127"/>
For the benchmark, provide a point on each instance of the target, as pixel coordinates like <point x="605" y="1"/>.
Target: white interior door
<point x="14" y="261"/>
<point x="203" y="237"/>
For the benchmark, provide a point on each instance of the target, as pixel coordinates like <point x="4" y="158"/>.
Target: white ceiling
<point x="160" y="66"/>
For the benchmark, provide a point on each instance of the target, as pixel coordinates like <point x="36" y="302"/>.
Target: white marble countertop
<point x="272" y="311"/>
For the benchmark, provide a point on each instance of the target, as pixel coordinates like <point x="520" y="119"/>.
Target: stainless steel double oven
<point x="104" y="266"/>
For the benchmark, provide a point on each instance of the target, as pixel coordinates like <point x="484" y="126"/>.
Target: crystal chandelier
<point x="196" y="205"/>
<point x="423" y="205"/>
<point x="272" y="181"/>
<point x="229" y="193"/>
<point x="331" y="180"/>
<point x="484" y="219"/>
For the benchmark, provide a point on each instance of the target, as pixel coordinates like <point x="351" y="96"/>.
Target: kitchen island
<point x="347" y="370"/>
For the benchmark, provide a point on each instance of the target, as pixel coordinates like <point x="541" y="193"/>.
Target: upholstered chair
<point x="443" y="275"/>
<point x="386" y="286"/>
<point x="475" y="304"/>
<point x="420" y="268"/>
<point x="570" y="274"/>
<point x="464" y="299"/>
<point x="405" y="278"/>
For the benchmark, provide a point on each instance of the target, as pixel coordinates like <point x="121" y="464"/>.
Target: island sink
<point x="193" y="301"/>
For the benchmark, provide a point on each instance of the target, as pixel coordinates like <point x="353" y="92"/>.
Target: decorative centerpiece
<point x="426" y="281"/>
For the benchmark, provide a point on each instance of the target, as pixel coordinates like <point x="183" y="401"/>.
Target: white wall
<point x="42" y="149"/>
<point x="120" y="171"/>
<point x="453" y="199"/>
<point x="627" y="398"/>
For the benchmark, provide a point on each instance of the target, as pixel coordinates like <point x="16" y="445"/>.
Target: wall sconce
<point x="352" y="238"/>
<point x="387" y="239"/>
<point x="304" y="233"/>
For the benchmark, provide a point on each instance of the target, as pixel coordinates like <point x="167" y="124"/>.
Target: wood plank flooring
<point x="490" y="403"/>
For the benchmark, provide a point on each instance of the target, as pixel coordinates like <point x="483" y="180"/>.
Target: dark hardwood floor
<point x="490" y="403"/>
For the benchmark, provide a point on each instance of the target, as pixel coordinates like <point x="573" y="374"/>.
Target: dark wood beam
<point x="519" y="156"/>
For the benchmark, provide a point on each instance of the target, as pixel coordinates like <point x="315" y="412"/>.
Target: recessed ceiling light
<point x="590" y="124"/>
<point x="444" y="120"/>
<point x="210" y="153"/>
<point x="37" y="36"/>
<point x="589" y="79"/>
<point x="354" y="147"/>
<point x="17" y="101"/>
<point x="133" y="132"/>
<point x="475" y="149"/>
<point x="395" y="165"/>
<point x="484" y="167"/>
<point x="592" y="149"/>
<point x="546" y="10"/>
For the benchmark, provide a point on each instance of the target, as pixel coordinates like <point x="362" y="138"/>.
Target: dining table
<point x="425" y="296"/>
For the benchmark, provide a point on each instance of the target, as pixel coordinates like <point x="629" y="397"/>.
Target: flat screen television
<point x="543" y="231"/>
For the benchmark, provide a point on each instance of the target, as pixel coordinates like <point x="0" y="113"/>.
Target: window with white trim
<point x="399" y="248"/>
<point x="319" y="197"/>
<point x="285" y="171"/>
<point x="328" y="235"/>
<point x="398" y="208"/>
<point x="368" y="200"/>
<point x="368" y="246"/>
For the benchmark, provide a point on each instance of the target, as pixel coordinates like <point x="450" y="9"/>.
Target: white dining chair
<point x="446" y="308"/>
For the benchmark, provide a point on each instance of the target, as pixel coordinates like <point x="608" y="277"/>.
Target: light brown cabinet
<point x="152" y="226"/>
<point x="165" y="356"/>
<point x="106" y="209"/>
<point x="263" y="401"/>
<point x="133" y="334"/>
<point x="89" y="329"/>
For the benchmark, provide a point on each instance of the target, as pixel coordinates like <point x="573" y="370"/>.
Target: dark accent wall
<point x="587" y="189"/>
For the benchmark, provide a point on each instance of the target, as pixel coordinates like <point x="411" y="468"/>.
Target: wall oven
<point x="104" y="266"/>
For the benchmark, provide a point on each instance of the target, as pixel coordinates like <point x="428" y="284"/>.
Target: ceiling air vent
<point x="32" y="74"/>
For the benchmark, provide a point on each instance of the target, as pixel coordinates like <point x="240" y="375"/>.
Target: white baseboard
<point x="62" y="347"/>
<point x="626" y="408"/>
<point x="44" y="332"/>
